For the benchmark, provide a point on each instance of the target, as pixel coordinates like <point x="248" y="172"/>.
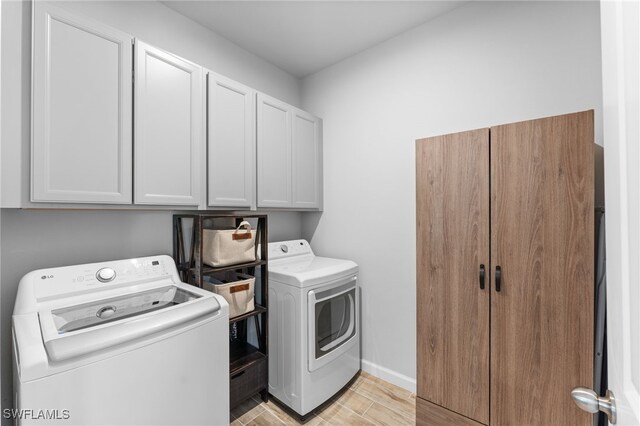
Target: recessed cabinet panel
<point x="168" y="128"/>
<point x="231" y="143"/>
<point x="81" y="141"/>
<point x="307" y="160"/>
<point x="274" y="153"/>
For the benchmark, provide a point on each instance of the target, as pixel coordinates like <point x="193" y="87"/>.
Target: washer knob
<point x="105" y="275"/>
<point x="284" y="248"/>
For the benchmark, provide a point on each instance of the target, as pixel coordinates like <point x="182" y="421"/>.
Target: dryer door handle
<point x="334" y="291"/>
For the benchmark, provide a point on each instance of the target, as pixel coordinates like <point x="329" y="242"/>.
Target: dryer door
<point x="332" y="321"/>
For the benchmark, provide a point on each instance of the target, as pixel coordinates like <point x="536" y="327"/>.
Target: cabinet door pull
<point x="498" y="278"/>
<point x="482" y="277"/>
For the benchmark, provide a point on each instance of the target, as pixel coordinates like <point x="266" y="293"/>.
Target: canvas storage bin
<point x="236" y="288"/>
<point x="222" y="247"/>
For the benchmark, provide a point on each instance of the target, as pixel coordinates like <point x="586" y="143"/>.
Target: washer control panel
<point x="285" y="249"/>
<point x="56" y="282"/>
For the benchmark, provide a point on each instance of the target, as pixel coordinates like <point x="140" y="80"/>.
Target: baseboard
<point x="389" y="375"/>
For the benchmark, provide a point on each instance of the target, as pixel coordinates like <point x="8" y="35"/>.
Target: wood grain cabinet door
<point x="81" y="135"/>
<point x="542" y="213"/>
<point x="169" y="131"/>
<point x="452" y="200"/>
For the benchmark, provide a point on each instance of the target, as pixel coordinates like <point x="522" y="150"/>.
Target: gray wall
<point x="482" y="64"/>
<point x="32" y="239"/>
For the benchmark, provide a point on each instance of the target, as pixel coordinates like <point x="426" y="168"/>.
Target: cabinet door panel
<point x="542" y="212"/>
<point x="81" y="144"/>
<point x="231" y="158"/>
<point x="452" y="184"/>
<point x="274" y="153"/>
<point x="168" y="128"/>
<point x="306" y="147"/>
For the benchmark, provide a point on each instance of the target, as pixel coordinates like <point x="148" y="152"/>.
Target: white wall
<point x="482" y="64"/>
<point x="36" y="239"/>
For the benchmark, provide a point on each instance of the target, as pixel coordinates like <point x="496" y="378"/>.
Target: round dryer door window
<point x="333" y="317"/>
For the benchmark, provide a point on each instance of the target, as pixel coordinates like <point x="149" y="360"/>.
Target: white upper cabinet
<point x="169" y="131"/>
<point x="231" y="143"/>
<point x="306" y="148"/>
<point x="81" y="134"/>
<point x="118" y="122"/>
<point x="274" y="152"/>
<point x="289" y="156"/>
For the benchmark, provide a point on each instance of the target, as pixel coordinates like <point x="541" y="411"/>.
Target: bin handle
<point x="244" y="236"/>
<point x="244" y="224"/>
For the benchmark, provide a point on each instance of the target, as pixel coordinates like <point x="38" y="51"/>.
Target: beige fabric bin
<point x="236" y="288"/>
<point x="222" y="247"/>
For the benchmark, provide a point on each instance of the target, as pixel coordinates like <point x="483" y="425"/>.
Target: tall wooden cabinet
<point x="505" y="279"/>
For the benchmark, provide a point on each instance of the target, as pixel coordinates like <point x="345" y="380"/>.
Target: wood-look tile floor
<point x="368" y="400"/>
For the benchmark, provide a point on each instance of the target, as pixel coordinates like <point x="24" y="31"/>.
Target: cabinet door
<point x="231" y="143"/>
<point x="452" y="201"/>
<point x="306" y="148"/>
<point x="542" y="237"/>
<point x="169" y="138"/>
<point x="274" y="153"/>
<point x="81" y="140"/>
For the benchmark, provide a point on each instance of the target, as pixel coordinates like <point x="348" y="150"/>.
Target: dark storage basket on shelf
<point x="248" y="351"/>
<point x="248" y="381"/>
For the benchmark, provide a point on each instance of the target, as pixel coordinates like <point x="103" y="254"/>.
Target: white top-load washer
<point x="119" y="343"/>
<point x="314" y="325"/>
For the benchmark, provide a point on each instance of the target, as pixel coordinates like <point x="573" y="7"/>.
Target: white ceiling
<point x="302" y="37"/>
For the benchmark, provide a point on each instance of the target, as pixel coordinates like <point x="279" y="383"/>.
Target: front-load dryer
<point x="119" y="343"/>
<point x="314" y="325"/>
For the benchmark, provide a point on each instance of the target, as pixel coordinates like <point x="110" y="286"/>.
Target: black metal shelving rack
<point x="248" y="363"/>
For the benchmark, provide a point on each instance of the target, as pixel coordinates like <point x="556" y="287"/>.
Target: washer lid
<point x="99" y="312"/>
<point x="310" y="270"/>
<point x="76" y="330"/>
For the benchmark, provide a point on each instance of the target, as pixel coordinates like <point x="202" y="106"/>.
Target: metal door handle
<point x="498" y="278"/>
<point x="590" y="402"/>
<point x="482" y="277"/>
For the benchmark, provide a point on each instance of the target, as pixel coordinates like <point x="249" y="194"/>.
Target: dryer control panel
<point x="292" y="248"/>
